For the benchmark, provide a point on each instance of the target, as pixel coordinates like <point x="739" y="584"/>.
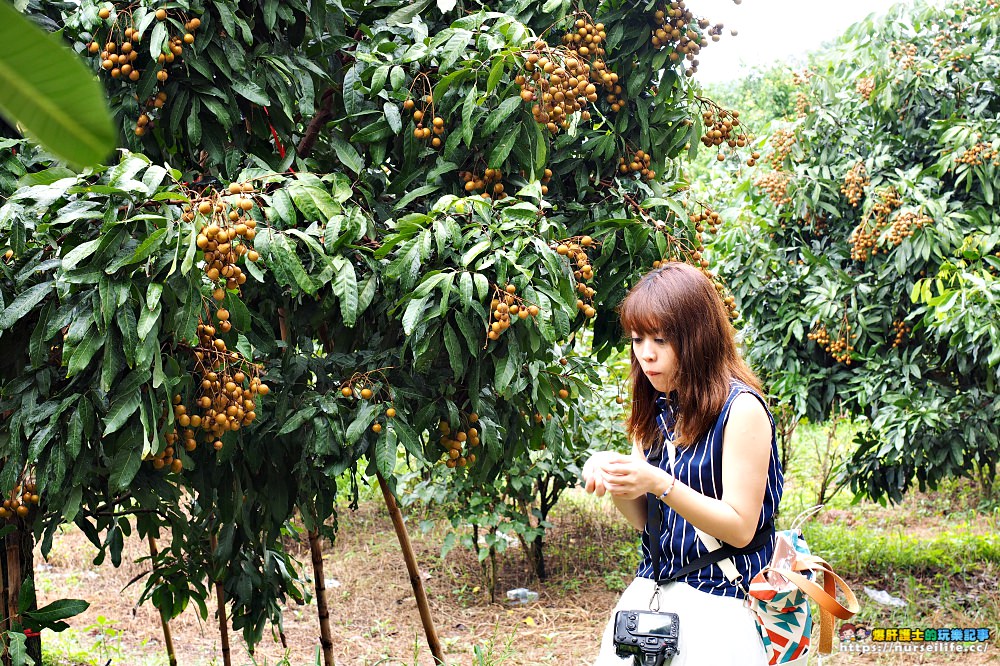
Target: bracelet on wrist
<point x="663" y="495"/>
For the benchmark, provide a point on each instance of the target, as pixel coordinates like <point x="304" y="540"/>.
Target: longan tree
<point x="337" y="231"/>
<point x="868" y="265"/>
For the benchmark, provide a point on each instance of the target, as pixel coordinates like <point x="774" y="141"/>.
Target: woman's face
<point x="658" y="360"/>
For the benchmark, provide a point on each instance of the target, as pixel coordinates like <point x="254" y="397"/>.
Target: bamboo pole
<point x="223" y="623"/>
<point x="319" y="578"/>
<point x="168" y="639"/>
<point x="411" y="567"/>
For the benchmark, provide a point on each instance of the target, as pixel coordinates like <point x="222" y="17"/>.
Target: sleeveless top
<point x="699" y="466"/>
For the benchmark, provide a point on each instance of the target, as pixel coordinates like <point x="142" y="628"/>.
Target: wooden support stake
<point x="223" y="623"/>
<point x="325" y="635"/>
<point x="168" y="639"/>
<point x="411" y="568"/>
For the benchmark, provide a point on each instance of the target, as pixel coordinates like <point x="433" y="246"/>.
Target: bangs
<point x="646" y="310"/>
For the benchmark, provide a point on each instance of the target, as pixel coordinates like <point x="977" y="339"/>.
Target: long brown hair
<point x="680" y="304"/>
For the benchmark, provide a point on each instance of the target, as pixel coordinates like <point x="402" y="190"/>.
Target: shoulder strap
<point x="722" y="553"/>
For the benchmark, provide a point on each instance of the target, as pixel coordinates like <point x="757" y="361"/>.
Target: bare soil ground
<point x="374" y="614"/>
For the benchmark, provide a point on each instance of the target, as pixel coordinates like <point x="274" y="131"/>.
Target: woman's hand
<point x="629" y="477"/>
<point x="592" y="478"/>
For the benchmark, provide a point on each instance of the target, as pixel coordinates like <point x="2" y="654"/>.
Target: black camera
<point x="650" y="637"/>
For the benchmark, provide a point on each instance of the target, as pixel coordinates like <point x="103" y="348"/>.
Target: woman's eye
<point x="660" y="341"/>
<point x="636" y="341"/>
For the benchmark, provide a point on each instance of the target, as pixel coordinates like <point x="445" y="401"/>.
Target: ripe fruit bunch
<point x="505" y="307"/>
<point x="904" y="54"/>
<point x="901" y="330"/>
<point x="781" y="143"/>
<point x="488" y="184"/>
<point x="708" y="217"/>
<point x="637" y="163"/>
<point x="775" y="184"/>
<point x="558" y="82"/>
<point x="224" y="239"/>
<point x="575" y="249"/>
<point x="722" y="126"/>
<point x="436" y="132"/>
<point x="978" y="155"/>
<point x="458" y="444"/>
<point x="675" y="27"/>
<point x="360" y="385"/>
<point x="19" y="499"/>
<point x="865" y="86"/>
<point x="841" y="348"/>
<point x="855" y="183"/>
<point x="903" y="225"/>
<point x="121" y="57"/>
<point x="864" y="237"/>
<point x="228" y="386"/>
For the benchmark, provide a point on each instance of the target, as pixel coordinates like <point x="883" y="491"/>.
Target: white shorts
<point x="714" y="630"/>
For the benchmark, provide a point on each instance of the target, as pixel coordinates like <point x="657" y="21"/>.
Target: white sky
<point x="774" y="30"/>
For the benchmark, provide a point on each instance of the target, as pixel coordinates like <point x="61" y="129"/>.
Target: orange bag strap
<point x="825" y="597"/>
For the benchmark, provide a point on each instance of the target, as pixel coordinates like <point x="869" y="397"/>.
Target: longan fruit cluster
<point x="775" y="184"/>
<point x="900" y="330"/>
<point x="586" y="38"/>
<point x="505" y="307"/>
<point x="864" y="237"/>
<point x="865" y="87"/>
<point x="802" y="104"/>
<point x="575" y="250"/>
<point x="556" y="90"/>
<point x="855" y="183"/>
<point x="675" y="27"/>
<point x="227" y="386"/>
<point x="435" y="131"/>
<point x="840" y="349"/>
<point x="722" y="127"/>
<point x="458" y="444"/>
<point x="781" y="143"/>
<point x="904" y="54"/>
<point x="122" y="58"/>
<point x="706" y="220"/>
<point x="638" y="163"/>
<point x="904" y="225"/>
<point x="362" y="386"/>
<point x="488" y="185"/>
<point x="19" y="500"/>
<point x="225" y="238"/>
<point x="978" y="155"/>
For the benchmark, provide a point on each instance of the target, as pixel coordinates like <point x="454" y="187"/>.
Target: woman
<point x="694" y="395"/>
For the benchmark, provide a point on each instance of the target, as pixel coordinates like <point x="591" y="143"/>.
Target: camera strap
<point x="721" y="552"/>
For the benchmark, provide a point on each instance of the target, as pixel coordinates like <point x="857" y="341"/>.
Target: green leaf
<point x="297" y="419"/>
<point x="347" y="155"/>
<point x="60" y="609"/>
<point x="84" y="352"/>
<point x="507" y="107"/>
<point x="385" y="453"/>
<point x="361" y="421"/>
<point x="49" y="92"/>
<point x="120" y="411"/>
<point x="506" y="370"/>
<point x="503" y="147"/>
<point x="23" y="304"/>
<point x="126" y="462"/>
<point x="496" y="71"/>
<point x="414" y="309"/>
<point x="16" y="648"/>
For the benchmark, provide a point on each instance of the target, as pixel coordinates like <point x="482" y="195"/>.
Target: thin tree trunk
<point x="220" y="594"/>
<point x="168" y="639"/>
<point x="325" y="635"/>
<point x="411" y="567"/>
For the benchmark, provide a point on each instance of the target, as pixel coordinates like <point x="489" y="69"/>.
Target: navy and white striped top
<point x="699" y="466"/>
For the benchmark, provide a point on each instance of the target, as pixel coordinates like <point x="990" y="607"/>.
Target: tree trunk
<point x="168" y="639"/>
<point x="325" y="635"/>
<point x="20" y="566"/>
<point x="220" y="594"/>
<point x="411" y="568"/>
